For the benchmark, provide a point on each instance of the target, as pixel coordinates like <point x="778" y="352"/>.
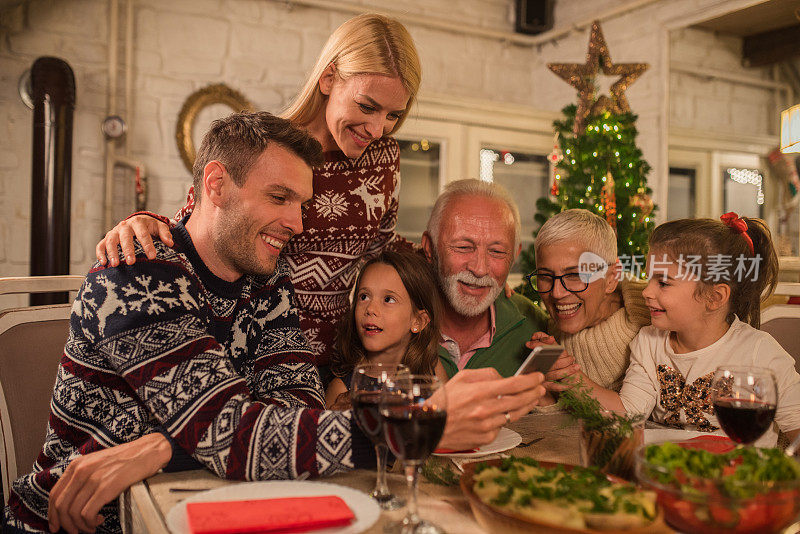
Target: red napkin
<point x="710" y="443"/>
<point x="291" y="514"/>
<point x="453" y="451"/>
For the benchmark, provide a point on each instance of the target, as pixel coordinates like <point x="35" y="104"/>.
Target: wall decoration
<point x="197" y="102"/>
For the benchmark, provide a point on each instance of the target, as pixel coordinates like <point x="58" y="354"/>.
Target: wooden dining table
<point x="547" y="437"/>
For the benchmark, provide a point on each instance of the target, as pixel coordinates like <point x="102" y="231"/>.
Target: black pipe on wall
<point x="53" y="93"/>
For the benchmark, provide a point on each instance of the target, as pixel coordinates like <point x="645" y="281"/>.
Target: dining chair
<point x="32" y="342"/>
<point x="782" y="321"/>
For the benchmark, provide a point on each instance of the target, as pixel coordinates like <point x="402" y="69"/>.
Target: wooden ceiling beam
<point x="771" y="47"/>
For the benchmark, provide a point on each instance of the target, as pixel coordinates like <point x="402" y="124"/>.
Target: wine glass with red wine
<point x="414" y="412"/>
<point x="745" y="400"/>
<point x="365" y="393"/>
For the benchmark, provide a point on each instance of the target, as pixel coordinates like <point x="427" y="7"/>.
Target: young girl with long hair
<point x="394" y="318"/>
<point x="707" y="280"/>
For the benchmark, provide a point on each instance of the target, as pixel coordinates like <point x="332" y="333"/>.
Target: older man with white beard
<point x="473" y="239"/>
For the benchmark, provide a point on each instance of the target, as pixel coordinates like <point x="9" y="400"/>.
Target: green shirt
<point x="516" y="319"/>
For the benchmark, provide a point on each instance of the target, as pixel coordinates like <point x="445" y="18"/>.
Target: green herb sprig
<point x="607" y="436"/>
<point x="578" y="403"/>
<point x="441" y="473"/>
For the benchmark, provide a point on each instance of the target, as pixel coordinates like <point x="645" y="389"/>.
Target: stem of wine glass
<point x="381" y="489"/>
<point x="412" y="471"/>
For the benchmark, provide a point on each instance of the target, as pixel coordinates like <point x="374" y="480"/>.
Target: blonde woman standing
<point x="359" y="91"/>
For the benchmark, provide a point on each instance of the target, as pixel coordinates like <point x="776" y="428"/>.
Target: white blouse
<point x="674" y="388"/>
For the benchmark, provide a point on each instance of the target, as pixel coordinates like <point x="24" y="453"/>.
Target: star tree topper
<point x="582" y="78"/>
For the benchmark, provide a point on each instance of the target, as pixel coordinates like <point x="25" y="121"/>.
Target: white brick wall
<point x="713" y="104"/>
<point x="263" y="49"/>
<point x="639" y="36"/>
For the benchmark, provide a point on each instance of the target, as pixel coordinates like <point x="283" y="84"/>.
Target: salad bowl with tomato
<point x="728" y="489"/>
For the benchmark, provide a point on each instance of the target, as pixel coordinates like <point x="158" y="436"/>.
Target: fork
<point x="531" y="442"/>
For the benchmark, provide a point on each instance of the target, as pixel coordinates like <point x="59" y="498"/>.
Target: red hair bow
<point x="738" y="225"/>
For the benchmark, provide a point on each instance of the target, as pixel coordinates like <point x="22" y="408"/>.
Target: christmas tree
<point x="596" y="164"/>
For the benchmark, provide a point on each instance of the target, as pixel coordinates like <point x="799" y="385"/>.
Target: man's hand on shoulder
<point x="91" y="481"/>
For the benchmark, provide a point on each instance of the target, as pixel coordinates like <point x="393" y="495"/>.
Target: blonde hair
<point x="580" y="226"/>
<point x="472" y="187"/>
<point x="366" y="44"/>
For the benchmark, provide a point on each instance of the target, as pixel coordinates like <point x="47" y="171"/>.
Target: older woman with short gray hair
<point x="595" y="313"/>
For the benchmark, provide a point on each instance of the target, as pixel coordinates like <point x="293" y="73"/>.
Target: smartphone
<point x="540" y="360"/>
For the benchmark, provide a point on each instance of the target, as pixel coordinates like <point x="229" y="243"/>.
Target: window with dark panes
<point x="525" y="175"/>
<point x="419" y="174"/>
<point x="681" y="195"/>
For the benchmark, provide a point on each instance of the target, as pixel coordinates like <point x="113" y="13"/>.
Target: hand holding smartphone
<point x="540" y="360"/>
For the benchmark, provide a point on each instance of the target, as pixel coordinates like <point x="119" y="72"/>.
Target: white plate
<point x="505" y="440"/>
<point x="365" y="509"/>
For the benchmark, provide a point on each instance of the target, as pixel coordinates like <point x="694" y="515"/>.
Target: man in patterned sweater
<point x="199" y="351"/>
<point x="201" y="344"/>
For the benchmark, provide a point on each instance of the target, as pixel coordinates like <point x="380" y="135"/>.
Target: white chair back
<point x="782" y="321"/>
<point x="32" y="342"/>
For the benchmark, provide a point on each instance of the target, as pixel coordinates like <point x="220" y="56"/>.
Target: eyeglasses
<point x="544" y="283"/>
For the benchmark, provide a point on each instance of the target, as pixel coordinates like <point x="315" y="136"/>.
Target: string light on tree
<point x="603" y="170"/>
<point x="582" y="76"/>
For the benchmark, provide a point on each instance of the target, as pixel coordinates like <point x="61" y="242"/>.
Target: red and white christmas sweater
<point x="352" y="218"/>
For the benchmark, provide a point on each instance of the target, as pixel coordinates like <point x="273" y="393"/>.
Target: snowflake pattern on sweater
<point x="222" y="367"/>
<point x="352" y="218"/>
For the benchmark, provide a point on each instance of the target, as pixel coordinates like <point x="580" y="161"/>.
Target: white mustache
<point x="469" y="278"/>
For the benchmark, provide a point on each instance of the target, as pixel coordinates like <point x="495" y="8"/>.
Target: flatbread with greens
<point x="577" y="498"/>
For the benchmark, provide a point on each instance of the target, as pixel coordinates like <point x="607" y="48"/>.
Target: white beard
<point x="466" y="305"/>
